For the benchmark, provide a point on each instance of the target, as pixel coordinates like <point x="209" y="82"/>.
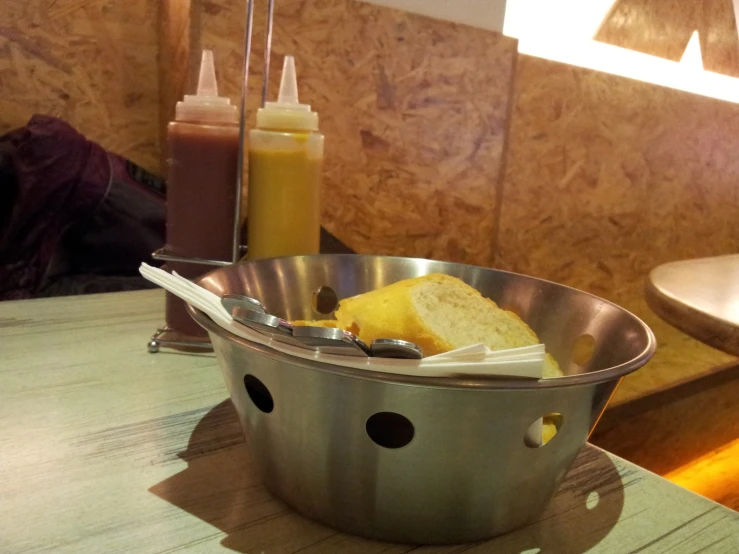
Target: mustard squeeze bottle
<point x="285" y="165"/>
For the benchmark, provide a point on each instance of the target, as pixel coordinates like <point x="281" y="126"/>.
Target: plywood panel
<point x="414" y="111"/>
<point x="607" y="178"/>
<point x="94" y="64"/>
<point x="677" y="432"/>
<point x="678" y="359"/>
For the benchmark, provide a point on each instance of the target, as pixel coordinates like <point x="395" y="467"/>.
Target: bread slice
<point x="438" y="313"/>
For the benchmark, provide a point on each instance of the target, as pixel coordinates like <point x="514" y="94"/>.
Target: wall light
<point x="563" y="31"/>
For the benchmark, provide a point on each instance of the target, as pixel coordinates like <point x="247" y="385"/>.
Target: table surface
<point x="107" y="448"/>
<point x="700" y="297"/>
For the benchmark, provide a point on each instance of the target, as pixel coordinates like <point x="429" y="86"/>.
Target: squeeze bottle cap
<point x="287" y="113"/>
<point x="206" y="106"/>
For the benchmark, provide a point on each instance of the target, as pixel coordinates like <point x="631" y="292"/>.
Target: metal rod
<point x="160" y="339"/>
<point x="267" y="48"/>
<point x="168" y="256"/>
<point x="242" y="132"/>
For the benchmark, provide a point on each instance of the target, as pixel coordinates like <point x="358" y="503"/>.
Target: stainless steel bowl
<point x="415" y="459"/>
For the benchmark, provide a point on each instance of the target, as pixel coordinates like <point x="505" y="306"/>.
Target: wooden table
<point x="107" y="448"/>
<point x="701" y="298"/>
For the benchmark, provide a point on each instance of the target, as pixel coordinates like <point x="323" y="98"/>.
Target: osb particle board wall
<point x="94" y="64"/>
<point x="414" y="111"/>
<point x="608" y="177"/>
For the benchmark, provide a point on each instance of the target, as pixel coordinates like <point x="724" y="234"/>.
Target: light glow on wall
<point x="711" y="475"/>
<point x="692" y="56"/>
<point x="563" y="31"/>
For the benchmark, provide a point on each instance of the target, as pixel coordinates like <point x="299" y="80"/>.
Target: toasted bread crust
<point x="389" y="312"/>
<point x="393" y="312"/>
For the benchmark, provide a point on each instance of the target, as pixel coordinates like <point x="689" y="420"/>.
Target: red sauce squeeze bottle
<point x="201" y="187"/>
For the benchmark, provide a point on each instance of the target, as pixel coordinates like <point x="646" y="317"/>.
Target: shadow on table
<point x="220" y="486"/>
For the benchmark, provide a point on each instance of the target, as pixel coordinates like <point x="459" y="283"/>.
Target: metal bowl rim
<point x="589" y="378"/>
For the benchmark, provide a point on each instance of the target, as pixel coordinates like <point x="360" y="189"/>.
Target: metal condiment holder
<point x="161" y="338"/>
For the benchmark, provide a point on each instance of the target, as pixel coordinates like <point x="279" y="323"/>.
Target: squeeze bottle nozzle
<point x="288" y="83"/>
<point x="206" y="106"/>
<point x="287" y="113"/>
<point x="207" y="84"/>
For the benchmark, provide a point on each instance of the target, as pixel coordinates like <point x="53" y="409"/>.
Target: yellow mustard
<point x="285" y="166"/>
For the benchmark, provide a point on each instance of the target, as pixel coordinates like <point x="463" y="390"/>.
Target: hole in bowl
<point x="259" y="394"/>
<point x="592" y="500"/>
<point x="390" y="430"/>
<point x="325" y="300"/>
<point x="543" y="430"/>
<point x="583" y="350"/>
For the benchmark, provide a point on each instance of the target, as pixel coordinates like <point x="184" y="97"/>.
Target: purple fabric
<point x="75" y="219"/>
<point x="51" y="177"/>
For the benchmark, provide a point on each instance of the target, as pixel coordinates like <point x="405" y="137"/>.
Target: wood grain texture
<point x="414" y="111"/>
<point x="606" y="179"/>
<point x="679" y="357"/>
<point x="672" y="428"/>
<point x="609" y="177"/>
<point x="115" y="449"/>
<point x="715" y="475"/>
<point x="93" y="64"/>
<point x="664" y="27"/>
<point x="688" y="433"/>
